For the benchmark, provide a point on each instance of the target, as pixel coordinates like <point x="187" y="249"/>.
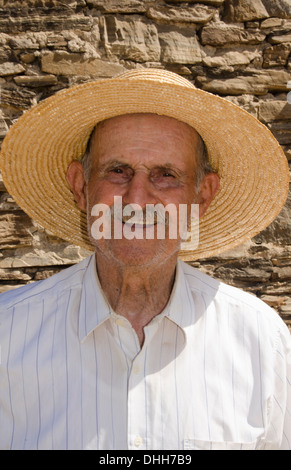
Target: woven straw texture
<point x="253" y="169"/>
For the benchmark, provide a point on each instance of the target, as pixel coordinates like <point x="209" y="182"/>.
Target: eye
<point x="119" y="174"/>
<point x="164" y="178"/>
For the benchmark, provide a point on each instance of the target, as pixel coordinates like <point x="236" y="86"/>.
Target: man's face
<point x="145" y="159"/>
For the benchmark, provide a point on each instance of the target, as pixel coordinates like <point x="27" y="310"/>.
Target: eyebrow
<point x="111" y="164"/>
<point x="170" y="166"/>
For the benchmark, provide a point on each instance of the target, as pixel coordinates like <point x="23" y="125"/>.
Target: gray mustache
<point x="150" y="215"/>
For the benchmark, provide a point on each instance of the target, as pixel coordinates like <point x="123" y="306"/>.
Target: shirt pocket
<point x="196" y="444"/>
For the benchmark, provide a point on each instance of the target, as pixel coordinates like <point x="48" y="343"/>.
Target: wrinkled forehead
<point x="136" y="118"/>
<point x="143" y="122"/>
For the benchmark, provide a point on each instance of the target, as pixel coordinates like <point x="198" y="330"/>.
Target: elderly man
<point x="132" y="348"/>
<point x="135" y="156"/>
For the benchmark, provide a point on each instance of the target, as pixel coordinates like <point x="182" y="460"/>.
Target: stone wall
<point x="239" y="49"/>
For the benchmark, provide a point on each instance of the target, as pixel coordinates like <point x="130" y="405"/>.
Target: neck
<point x="137" y="293"/>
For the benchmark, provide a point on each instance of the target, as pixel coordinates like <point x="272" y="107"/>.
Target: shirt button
<point x="120" y="322"/>
<point x="138" y="441"/>
<point x="136" y="370"/>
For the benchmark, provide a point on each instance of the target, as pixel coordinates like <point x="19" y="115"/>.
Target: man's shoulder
<point x="71" y="276"/>
<point x="219" y="291"/>
<point x="234" y="305"/>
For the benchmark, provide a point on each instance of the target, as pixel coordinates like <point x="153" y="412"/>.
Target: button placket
<point x="137" y="395"/>
<point x="137" y="404"/>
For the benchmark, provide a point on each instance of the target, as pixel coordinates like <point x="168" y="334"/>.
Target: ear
<point x="208" y="188"/>
<point x="76" y="178"/>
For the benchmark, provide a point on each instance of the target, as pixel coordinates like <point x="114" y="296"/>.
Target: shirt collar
<point x="181" y="308"/>
<point x="95" y="309"/>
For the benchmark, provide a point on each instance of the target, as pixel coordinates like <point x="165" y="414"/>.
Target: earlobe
<point x="208" y="188"/>
<point x="76" y="179"/>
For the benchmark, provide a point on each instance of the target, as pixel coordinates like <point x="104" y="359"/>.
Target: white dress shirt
<point x="214" y="371"/>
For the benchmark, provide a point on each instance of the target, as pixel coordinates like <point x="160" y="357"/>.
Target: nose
<point x="139" y="190"/>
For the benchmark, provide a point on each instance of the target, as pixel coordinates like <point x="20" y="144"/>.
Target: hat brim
<point x="253" y="170"/>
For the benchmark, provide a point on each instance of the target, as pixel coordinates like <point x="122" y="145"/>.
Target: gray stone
<point x="65" y="63"/>
<point x="276" y="288"/>
<point x="24" y="42"/>
<point x="13" y="274"/>
<point x="14" y="230"/>
<point x="280" y="229"/>
<point x="132" y="38"/>
<point x="282" y="273"/>
<point x="235" y="86"/>
<point x="221" y="34"/>
<point x="285" y="309"/>
<point x="10" y="68"/>
<point x="282" y="131"/>
<point x="54" y="254"/>
<point x="119" y="6"/>
<point x="18" y="4"/>
<point x="274" y="110"/>
<point x="7" y="202"/>
<point x="207" y="2"/>
<point x="27" y="58"/>
<point x="56" y="41"/>
<point x="271" y="23"/>
<point x="277" y="55"/>
<point x="227" y="56"/>
<point x="278" y="8"/>
<point x="15" y="98"/>
<point x="274" y="301"/>
<point x="252" y="24"/>
<point x="245" y="10"/>
<point x="278" y="39"/>
<point x="179" y="46"/>
<point x="247" y="102"/>
<point x="35" y="81"/>
<point x="197" y="14"/>
<point x="281" y="261"/>
<point x="35" y="22"/>
<point x="259" y="83"/>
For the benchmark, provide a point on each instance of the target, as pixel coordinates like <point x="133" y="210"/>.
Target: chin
<point x="138" y="253"/>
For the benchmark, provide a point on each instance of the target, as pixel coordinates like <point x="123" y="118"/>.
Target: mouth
<point x="144" y="228"/>
<point x="138" y="223"/>
<point x="142" y="219"/>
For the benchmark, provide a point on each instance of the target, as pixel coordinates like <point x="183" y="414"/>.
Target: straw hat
<point x="253" y="170"/>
